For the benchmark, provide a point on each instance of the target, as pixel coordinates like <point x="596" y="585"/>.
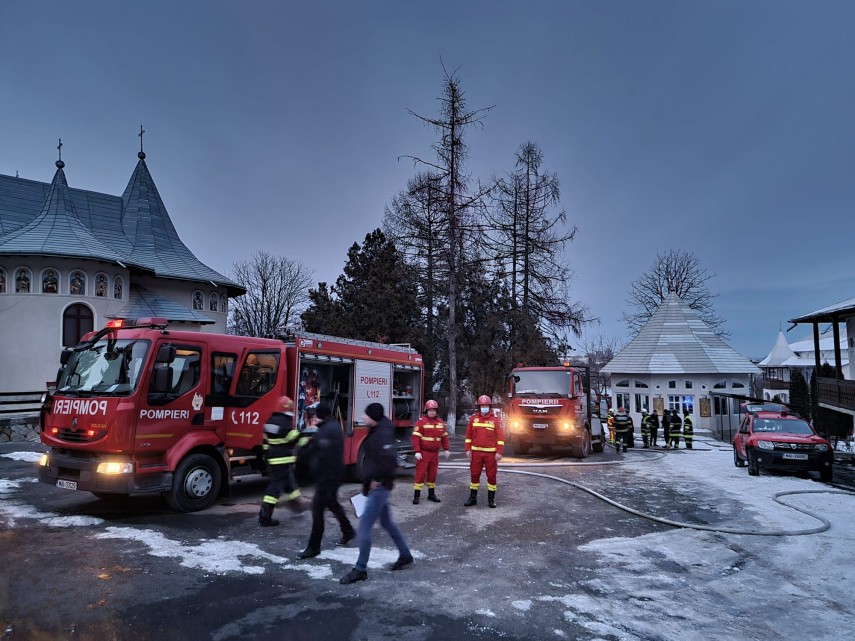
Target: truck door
<point x="166" y="415"/>
<point x="253" y="400"/>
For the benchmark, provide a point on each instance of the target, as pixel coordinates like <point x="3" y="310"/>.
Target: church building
<point x="71" y="259"/>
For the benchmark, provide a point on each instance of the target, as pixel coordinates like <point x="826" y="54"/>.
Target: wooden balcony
<point x="776" y="384"/>
<point x="835" y="393"/>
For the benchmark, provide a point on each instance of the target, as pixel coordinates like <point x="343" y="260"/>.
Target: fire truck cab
<point x="551" y="407"/>
<point x="140" y="408"/>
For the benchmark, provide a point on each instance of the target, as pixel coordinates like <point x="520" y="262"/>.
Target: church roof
<point x="831" y="314"/>
<point x="57" y="230"/>
<point x="134" y="229"/>
<point x="676" y="341"/>
<point x="143" y="303"/>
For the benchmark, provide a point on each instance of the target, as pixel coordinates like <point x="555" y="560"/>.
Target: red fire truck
<point x="551" y="407"/>
<point x="140" y="408"/>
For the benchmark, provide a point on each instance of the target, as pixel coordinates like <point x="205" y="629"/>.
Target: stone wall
<point x="19" y="427"/>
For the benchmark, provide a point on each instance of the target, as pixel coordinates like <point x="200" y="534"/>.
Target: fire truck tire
<point x="583" y="448"/>
<point x="195" y="485"/>
<point x="521" y="447"/>
<point x="600" y="445"/>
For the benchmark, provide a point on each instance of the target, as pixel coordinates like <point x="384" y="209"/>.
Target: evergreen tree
<point x="799" y="395"/>
<point x="374" y="299"/>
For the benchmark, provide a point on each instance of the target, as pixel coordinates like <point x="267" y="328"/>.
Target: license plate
<point x="796" y="457"/>
<point x="540" y="426"/>
<point x="68" y="485"/>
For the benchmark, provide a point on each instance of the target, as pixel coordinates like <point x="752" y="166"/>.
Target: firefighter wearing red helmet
<point x="484" y="445"/>
<point x="429" y="434"/>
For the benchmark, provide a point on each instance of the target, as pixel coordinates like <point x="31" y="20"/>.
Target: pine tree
<point x="799" y="395"/>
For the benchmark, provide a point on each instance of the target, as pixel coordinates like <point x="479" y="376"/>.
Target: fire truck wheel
<point x="195" y="485"/>
<point x="583" y="448"/>
<point x="521" y="448"/>
<point x="599" y="446"/>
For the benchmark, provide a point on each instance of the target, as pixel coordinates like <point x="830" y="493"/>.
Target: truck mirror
<point x="162" y="379"/>
<point x="166" y="354"/>
<point x="64" y="356"/>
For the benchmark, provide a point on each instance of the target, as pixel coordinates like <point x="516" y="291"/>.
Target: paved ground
<point x="76" y="567"/>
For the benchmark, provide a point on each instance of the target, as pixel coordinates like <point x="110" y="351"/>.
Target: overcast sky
<point x="726" y="129"/>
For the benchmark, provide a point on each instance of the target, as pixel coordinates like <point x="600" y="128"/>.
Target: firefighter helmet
<point x="431" y="405"/>
<point x="484" y="400"/>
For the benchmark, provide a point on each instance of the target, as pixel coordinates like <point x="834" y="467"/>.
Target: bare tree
<point x="456" y="205"/>
<point x="529" y="239"/>
<point x="677" y="272"/>
<point x="599" y="350"/>
<point x="277" y="291"/>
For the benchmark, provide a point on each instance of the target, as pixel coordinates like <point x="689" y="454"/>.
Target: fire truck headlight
<point x="43" y="460"/>
<point x="515" y="424"/>
<point x="566" y="426"/>
<point x="114" y="468"/>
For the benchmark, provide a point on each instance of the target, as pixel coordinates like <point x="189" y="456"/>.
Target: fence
<point x="20" y="402"/>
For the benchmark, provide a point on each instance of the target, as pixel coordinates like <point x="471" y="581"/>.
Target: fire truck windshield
<point x="107" y="368"/>
<point x="541" y="383"/>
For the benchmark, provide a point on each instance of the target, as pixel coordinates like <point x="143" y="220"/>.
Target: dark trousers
<point x="326" y="497"/>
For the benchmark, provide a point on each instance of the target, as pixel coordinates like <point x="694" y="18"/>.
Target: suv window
<point x="790" y="426"/>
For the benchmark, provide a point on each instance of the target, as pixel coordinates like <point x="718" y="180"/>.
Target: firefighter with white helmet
<point x="429" y="435"/>
<point x="484" y="446"/>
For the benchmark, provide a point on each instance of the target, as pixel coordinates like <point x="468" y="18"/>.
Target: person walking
<point x="378" y="469"/>
<point x="429" y="434"/>
<point x="484" y="444"/>
<point x="611" y="425"/>
<point x="688" y="430"/>
<point x="666" y="432"/>
<point x="654" y="427"/>
<point x="623" y="429"/>
<point x="674" y="425"/>
<point x="279" y="439"/>
<point x="645" y="428"/>
<point x="326" y="462"/>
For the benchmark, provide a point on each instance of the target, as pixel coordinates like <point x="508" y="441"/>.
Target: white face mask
<point x="485" y="411"/>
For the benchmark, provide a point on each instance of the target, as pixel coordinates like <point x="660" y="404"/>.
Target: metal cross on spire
<point x="141" y="155"/>
<point x="59" y="147"/>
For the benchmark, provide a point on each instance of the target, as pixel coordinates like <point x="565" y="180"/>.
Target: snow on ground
<point x="695" y="585"/>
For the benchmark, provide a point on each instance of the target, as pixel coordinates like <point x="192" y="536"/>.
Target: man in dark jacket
<point x="326" y="462"/>
<point x="380" y="464"/>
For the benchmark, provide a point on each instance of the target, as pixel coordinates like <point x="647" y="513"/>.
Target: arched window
<point x="623" y="383"/>
<point x="720" y="385"/>
<point x="23" y="281"/>
<point x="77" y="320"/>
<point x="214" y="303"/>
<point x="737" y="385"/>
<point x="118" y="289"/>
<point x="50" y="282"/>
<point x="639" y="383"/>
<point x="223" y="304"/>
<point x="2" y="281"/>
<point x="77" y="283"/>
<point x="198" y="300"/>
<point x="101" y="285"/>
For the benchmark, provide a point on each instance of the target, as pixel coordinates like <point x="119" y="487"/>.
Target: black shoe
<point x="433" y="497"/>
<point x="267" y="522"/>
<point x="401" y="563"/>
<point x="473" y="498"/>
<point x="346" y="538"/>
<point x="353" y="576"/>
<point x="491" y="498"/>
<point x="416" y="496"/>
<point x="308" y="553"/>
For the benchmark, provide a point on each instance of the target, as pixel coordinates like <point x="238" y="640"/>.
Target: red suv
<point x="782" y="441"/>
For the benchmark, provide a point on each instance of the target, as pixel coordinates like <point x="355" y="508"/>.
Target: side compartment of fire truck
<point x="336" y="380"/>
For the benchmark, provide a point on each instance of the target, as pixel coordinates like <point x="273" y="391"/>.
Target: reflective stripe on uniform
<point x="282" y="460"/>
<point x="483" y="449"/>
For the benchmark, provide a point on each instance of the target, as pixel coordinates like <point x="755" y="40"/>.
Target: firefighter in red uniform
<point x="484" y="446"/>
<point x="428" y="435"/>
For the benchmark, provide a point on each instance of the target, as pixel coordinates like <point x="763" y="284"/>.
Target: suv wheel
<point x="738" y="462"/>
<point x="753" y="465"/>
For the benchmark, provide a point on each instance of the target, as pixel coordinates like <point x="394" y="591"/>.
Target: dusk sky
<point x="722" y="128"/>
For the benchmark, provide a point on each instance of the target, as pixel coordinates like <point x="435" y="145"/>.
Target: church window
<point x="2" y="281"/>
<point x="23" y="281"/>
<point x="101" y="285"/>
<point x="77" y="320"/>
<point x="223" y="304"/>
<point x="214" y="303"/>
<point x="198" y="300"/>
<point x="118" y="289"/>
<point x="50" y="282"/>
<point x="77" y="284"/>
